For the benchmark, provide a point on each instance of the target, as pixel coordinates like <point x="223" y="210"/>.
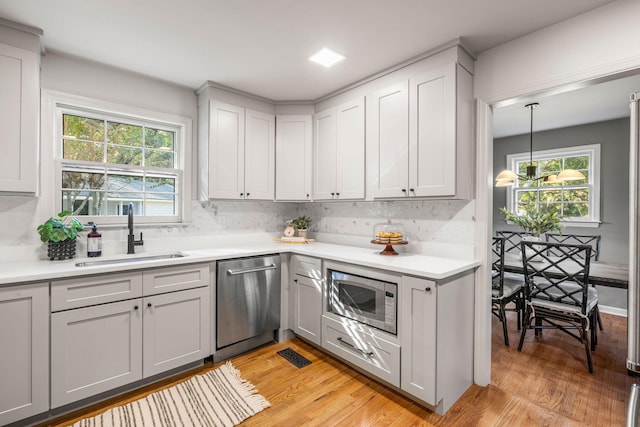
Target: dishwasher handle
<point x="251" y="270"/>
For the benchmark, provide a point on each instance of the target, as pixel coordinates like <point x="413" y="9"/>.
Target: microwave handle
<point x="365" y="353"/>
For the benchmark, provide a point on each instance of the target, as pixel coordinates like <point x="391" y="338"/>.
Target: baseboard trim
<point x="613" y="310"/>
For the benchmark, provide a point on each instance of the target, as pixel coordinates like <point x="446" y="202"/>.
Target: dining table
<point x="600" y="273"/>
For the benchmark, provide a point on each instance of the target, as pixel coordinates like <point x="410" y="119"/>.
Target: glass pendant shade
<point x="570" y="175"/>
<point x="507" y="175"/>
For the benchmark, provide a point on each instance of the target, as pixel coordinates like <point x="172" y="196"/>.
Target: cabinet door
<point x="390" y="141"/>
<point x="350" y="178"/>
<point x="24" y="358"/>
<point x="293" y="157"/>
<point x="307" y="308"/>
<point x="259" y="156"/>
<point x="176" y="329"/>
<point x="325" y="155"/>
<point x="95" y="349"/>
<point x="226" y="151"/>
<point x="418" y="328"/>
<point x="19" y="103"/>
<point x="432" y="149"/>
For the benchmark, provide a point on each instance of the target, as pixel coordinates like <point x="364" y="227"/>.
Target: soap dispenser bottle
<point x="94" y="242"/>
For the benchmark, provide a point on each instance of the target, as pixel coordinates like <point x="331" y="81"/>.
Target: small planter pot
<point x="302" y="232"/>
<point x="61" y="250"/>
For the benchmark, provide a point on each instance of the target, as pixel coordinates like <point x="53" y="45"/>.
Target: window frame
<point x="59" y="104"/>
<point x="593" y="151"/>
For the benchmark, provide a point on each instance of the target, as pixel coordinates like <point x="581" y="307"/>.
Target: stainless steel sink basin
<point x="130" y="260"/>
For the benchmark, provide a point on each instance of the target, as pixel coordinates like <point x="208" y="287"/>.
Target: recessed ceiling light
<point x="326" y="57"/>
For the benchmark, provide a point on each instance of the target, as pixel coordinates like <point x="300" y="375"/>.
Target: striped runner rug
<point x="220" y="397"/>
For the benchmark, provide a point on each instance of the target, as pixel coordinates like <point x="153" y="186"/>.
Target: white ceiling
<point x="262" y="46"/>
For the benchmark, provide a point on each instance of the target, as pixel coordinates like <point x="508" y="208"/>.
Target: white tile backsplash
<point x="432" y="226"/>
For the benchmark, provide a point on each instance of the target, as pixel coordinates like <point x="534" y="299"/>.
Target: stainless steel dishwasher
<point x="247" y="304"/>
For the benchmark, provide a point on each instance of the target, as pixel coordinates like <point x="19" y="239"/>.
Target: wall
<point x="594" y="45"/>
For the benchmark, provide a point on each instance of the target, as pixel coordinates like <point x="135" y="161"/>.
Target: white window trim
<point x="594" y="174"/>
<point x="53" y="103"/>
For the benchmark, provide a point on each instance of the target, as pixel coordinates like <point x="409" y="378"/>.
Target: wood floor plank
<point x="546" y="384"/>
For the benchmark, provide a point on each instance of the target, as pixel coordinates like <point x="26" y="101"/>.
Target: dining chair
<point x="504" y="290"/>
<point x="577" y="239"/>
<point x="580" y="239"/>
<point x="512" y="239"/>
<point x="557" y="292"/>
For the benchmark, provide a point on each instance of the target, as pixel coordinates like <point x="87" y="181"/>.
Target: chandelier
<point x="508" y="177"/>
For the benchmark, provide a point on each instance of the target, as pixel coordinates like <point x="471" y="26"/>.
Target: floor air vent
<point x="295" y="358"/>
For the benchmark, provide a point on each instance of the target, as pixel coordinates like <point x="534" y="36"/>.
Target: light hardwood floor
<point x="546" y="384"/>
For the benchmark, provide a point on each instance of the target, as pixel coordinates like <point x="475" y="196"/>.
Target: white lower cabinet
<point x="24" y="353"/>
<point x="98" y="348"/>
<point x="437" y="339"/>
<point x="308" y="308"/>
<point x="176" y="328"/>
<point x="307" y="286"/>
<point x="95" y="349"/>
<point x="419" y="338"/>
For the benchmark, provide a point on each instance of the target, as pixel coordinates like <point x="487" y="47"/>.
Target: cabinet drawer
<point x="362" y="348"/>
<point x="176" y="278"/>
<point x="86" y="291"/>
<point x="307" y="266"/>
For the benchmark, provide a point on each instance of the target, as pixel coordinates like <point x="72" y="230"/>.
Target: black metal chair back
<point x="577" y="239"/>
<point x="497" y="265"/>
<point x="557" y="272"/>
<point x="512" y="239"/>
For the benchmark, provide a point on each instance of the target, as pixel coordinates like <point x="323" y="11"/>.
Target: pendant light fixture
<point x="508" y="177"/>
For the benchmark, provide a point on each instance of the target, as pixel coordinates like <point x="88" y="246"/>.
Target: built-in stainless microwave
<point x="367" y="300"/>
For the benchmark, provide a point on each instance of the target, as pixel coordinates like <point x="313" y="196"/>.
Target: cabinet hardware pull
<point x="428" y="289"/>
<point x="251" y="270"/>
<point x="338" y="194"/>
<point x="135" y="307"/>
<point x="241" y="194"/>
<point x="333" y="194"/>
<point x="307" y="196"/>
<point x="247" y="194"/>
<point x="295" y="280"/>
<point x="412" y="190"/>
<point x="404" y="190"/>
<point x="148" y="304"/>
<point x="365" y="353"/>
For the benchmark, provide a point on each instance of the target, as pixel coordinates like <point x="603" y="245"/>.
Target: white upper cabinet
<point x="390" y="140"/>
<point x="432" y="133"/>
<point x="423" y="137"/>
<point x="259" y="155"/>
<point x="226" y="151"/>
<point x="293" y="157"/>
<point x="339" y="152"/>
<point x="19" y="104"/>
<point x="240" y="153"/>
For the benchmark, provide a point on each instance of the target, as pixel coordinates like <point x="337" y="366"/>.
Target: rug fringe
<point x="260" y="401"/>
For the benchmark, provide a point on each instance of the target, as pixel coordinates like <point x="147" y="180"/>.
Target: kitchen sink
<point x="130" y="260"/>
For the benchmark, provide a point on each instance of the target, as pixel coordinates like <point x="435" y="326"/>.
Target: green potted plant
<point x="302" y="224"/>
<point x="60" y="234"/>
<point x="536" y="222"/>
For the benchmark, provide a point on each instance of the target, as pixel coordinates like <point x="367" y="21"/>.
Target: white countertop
<point x="432" y="267"/>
